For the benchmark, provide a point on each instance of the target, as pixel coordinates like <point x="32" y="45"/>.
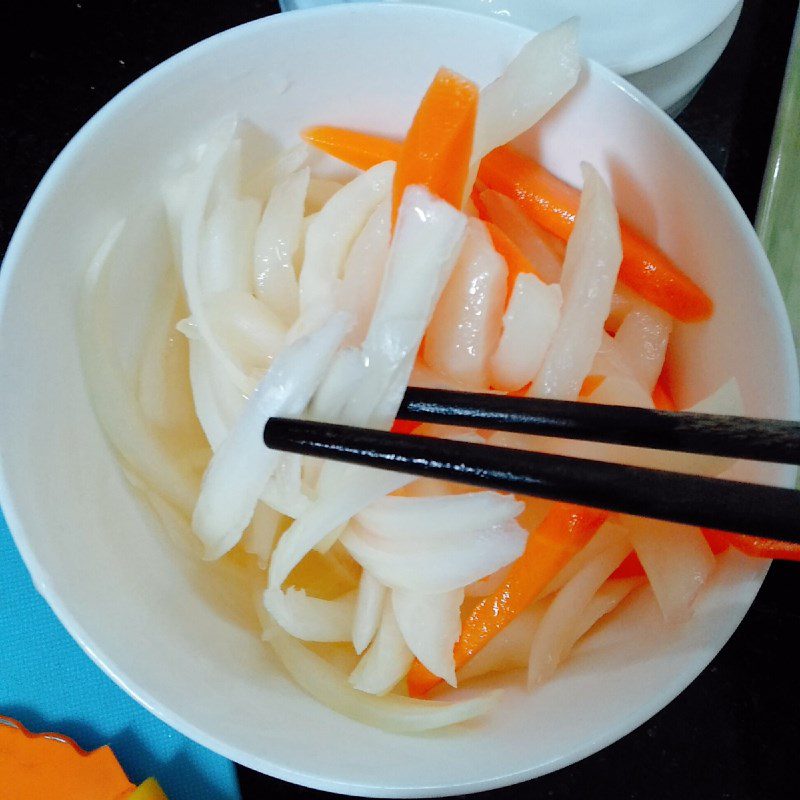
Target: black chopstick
<point x="710" y="434"/>
<point x="706" y="502"/>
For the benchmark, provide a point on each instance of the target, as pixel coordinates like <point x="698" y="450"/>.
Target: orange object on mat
<point x="49" y="766"/>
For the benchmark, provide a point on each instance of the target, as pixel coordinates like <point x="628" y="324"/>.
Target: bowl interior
<point x="169" y="630"/>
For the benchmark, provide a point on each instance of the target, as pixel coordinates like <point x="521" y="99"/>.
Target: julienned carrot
<point x="662" y="399"/>
<point x="590" y="384"/>
<point x="362" y="150"/>
<point x="553" y="205"/>
<point x="756" y="546"/>
<point x="513" y="256"/>
<point x="438" y="146"/>
<point x="564" y="531"/>
<point x="404" y="426"/>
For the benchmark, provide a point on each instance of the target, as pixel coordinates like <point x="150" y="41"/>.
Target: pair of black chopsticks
<point x="693" y="500"/>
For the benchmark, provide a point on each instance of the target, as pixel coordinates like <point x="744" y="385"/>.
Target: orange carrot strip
<point x="590" y="383"/>
<point x="438" y="146"/>
<point x="631" y="567"/>
<point x="564" y="531"/>
<point x="553" y="204"/>
<point x="404" y="426"/>
<point x="662" y="399"/>
<point x="549" y="202"/>
<point x="756" y="546"/>
<point x="717" y="540"/>
<point x="513" y="256"/>
<point x="361" y="150"/>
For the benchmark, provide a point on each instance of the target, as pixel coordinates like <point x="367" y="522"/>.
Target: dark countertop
<point x="733" y="732"/>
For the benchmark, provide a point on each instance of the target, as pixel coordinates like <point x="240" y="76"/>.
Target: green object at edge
<point x="778" y="219"/>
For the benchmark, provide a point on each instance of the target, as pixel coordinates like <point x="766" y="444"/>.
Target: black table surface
<point x="733" y="733"/>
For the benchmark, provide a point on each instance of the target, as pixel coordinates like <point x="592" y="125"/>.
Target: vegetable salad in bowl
<point x="449" y="259"/>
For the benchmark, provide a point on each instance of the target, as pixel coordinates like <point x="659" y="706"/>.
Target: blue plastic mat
<point x="49" y="684"/>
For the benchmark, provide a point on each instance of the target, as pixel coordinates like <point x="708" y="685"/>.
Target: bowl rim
<point x="13" y="259"/>
<point x="624" y="64"/>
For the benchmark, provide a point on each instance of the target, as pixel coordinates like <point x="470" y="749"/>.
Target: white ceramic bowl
<point x="663" y="47"/>
<point x="152" y="619"/>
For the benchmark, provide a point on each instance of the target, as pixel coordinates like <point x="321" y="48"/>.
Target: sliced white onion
<point x="466" y="325"/>
<point x="608" y="597"/>
<point x="320" y="190"/>
<point x="121" y="420"/>
<point x="369" y="606"/>
<point x="529" y="323"/>
<point x="226" y="245"/>
<point x="594" y="253"/>
<point x="392" y="713"/>
<point x="331" y="235"/>
<point x="192" y="225"/>
<point x="427" y="239"/>
<point x="356" y="488"/>
<point x="386" y="661"/>
<point x="620" y="386"/>
<point x="431" y="625"/>
<point x="276" y="241"/>
<point x="642" y="340"/>
<point x="543" y="71"/>
<point x="264" y="173"/>
<point x="363" y="270"/>
<point x="555" y="632"/>
<point x="247" y="328"/>
<point x="242" y="465"/>
<point x="727" y="399"/>
<point x="284" y="489"/>
<point x="217" y="401"/>
<point x="259" y="538"/>
<point x="610" y="534"/>
<point x="336" y="389"/>
<point x="623" y="301"/>
<point x="163" y="365"/>
<point x="426" y="378"/>
<point x="543" y="251"/>
<point x="427" y="519"/>
<point x="443" y="566"/>
<point x="309" y="618"/>
<point x="677" y="560"/>
<point x="511" y="648"/>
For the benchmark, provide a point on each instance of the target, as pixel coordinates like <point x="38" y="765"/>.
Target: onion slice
<point x="426" y="519"/>
<point x="310" y="618"/>
<point x="444" y="566"/>
<point x="369" y="606"/>
<point x="543" y="71"/>
<point x="331" y="234"/>
<point x="391" y="713"/>
<point x="354" y="490"/>
<point x="594" y="254"/>
<point x="431" y="625"/>
<point x="386" y="661"/>
<point x="241" y="466"/>
<point x="677" y="561"/>
<point x="466" y="324"/>
<point x="554" y="635"/>
<point x="276" y="241"/>
<point x="529" y="324"/>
